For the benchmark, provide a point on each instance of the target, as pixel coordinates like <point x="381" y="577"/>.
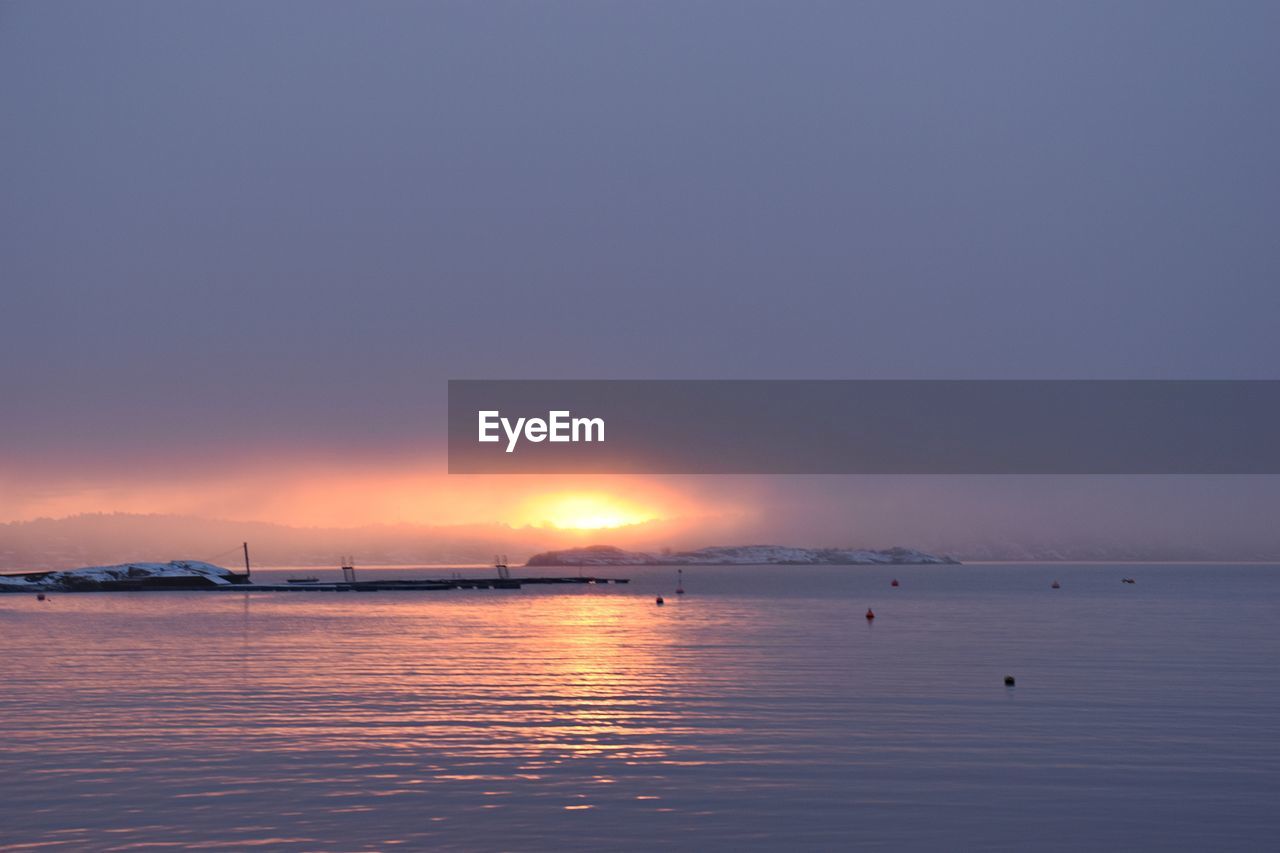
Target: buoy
<point x="894" y="583"/>
<point x="870" y="614"/>
<point x="1055" y="585"/>
<point x="658" y="601"/>
<point x="40" y="596"/>
<point x="679" y="581"/>
<point x="1008" y="681"/>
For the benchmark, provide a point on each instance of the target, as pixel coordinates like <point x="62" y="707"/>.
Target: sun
<point x="584" y="511"/>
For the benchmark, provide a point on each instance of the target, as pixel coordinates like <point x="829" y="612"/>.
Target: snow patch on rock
<point x="91" y="577"/>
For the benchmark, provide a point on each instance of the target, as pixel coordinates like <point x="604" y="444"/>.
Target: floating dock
<point x="199" y="584"/>
<point x="429" y="584"/>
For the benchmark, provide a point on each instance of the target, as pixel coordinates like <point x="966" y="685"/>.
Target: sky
<point x="244" y="245"/>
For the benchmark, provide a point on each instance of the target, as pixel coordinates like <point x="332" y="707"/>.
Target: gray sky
<point x="279" y="227"/>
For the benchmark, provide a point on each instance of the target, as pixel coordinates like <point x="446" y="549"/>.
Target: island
<point x="176" y="574"/>
<point x="738" y="555"/>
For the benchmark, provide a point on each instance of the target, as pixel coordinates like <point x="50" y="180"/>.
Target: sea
<point x="760" y="710"/>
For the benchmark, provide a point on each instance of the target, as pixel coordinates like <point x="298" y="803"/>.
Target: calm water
<point x="758" y="711"/>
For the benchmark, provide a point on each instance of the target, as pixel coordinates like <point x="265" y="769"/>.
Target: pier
<point x="241" y="583"/>
<point x="427" y="584"/>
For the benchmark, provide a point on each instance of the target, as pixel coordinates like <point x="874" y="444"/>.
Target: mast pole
<point x="247" y="570"/>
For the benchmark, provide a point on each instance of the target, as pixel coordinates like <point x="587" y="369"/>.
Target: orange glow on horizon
<point x="303" y="495"/>
<point x="584" y="511"/>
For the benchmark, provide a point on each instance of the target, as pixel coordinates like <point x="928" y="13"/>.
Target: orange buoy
<point x="894" y="582"/>
<point x="870" y="614"/>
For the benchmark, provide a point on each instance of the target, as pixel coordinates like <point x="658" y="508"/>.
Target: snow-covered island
<point x="176" y="574"/>
<point x="739" y="555"/>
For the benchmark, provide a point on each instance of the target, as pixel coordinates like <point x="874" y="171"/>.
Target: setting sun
<point x="585" y="511"/>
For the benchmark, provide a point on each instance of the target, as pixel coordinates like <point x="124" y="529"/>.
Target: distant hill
<point x="109" y="538"/>
<point x="739" y="555"/>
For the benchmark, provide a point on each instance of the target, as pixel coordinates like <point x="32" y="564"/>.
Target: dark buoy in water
<point x="679" y="581"/>
<point x="1055" y="585"/>
<point x="870" y="614"/>
<point x="40" y="596"/>
<point x="894" y="582"/>
<point x="658" y="601"/>
<point x="1008" y="681"/>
